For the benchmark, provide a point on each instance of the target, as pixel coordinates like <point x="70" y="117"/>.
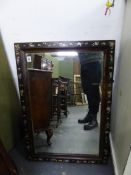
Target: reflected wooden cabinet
<point x="39" y="88"/>
<point x="59" y="97"/>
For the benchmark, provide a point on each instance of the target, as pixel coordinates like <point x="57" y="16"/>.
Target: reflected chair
<point x="63" y="89"/>
<point x="59" y="98"/>
<point x="55" y="99"/>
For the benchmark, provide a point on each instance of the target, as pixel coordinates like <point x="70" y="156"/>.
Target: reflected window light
<point x="72" y="53"/>
<point x="60" y="58"/>
<point x="44" y="65"/>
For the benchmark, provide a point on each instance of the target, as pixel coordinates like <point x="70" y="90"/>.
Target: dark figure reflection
<point x="91" y="73"/>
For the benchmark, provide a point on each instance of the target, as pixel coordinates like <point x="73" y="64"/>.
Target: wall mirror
<point x="65" y="93"/>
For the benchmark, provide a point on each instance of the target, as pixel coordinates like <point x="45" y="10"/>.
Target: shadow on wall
<point x="9" y="103"/>
<point x="115" y="97"/>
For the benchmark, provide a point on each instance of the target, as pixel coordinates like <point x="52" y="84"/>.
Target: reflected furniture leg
<point x="49" y="133"/>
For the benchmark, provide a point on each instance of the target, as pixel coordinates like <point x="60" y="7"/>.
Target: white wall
<point x="121" y="106"/>
<point x="53" y="20"/>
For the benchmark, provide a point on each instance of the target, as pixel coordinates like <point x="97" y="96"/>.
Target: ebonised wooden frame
<point x="108" y="47"/>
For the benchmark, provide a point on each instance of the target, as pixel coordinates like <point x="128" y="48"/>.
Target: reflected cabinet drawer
<point x="39" y="86"/>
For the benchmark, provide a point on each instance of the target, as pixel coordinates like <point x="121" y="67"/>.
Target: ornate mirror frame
<point x="108" y="47"/>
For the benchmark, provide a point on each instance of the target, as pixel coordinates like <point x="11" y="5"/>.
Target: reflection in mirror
<point x="76" y="79"/>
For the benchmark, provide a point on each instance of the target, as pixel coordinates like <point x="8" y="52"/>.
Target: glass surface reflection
<point x="76" y="100"/>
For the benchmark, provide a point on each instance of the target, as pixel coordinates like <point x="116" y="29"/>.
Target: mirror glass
<point x="76" y="100"/>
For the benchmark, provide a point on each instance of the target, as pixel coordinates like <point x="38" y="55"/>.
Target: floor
<point x="70" y="137"/>
<point x="26" y="167"/>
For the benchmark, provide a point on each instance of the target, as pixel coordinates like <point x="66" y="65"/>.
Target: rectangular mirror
<point x="65" y="92"/>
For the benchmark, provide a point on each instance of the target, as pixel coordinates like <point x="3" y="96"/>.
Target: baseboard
<point x="113" y="156"/>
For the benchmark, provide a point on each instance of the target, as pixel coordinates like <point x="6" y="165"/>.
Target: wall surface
<point x="48" y="20"/>
<point x="56" y="65"/>
<point x="66" y="64"/>
<point x="121" y="107"/>
<point x="9" y="104"/>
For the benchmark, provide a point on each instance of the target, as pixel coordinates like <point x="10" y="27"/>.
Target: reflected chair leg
<point x="58" y="120"/>
<point x="49" y="133"/>
<point x="66" y="113"/>
<point x="58" y="113"/>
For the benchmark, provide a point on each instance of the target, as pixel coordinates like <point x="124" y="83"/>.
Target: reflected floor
<point x="69" y="137"/>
